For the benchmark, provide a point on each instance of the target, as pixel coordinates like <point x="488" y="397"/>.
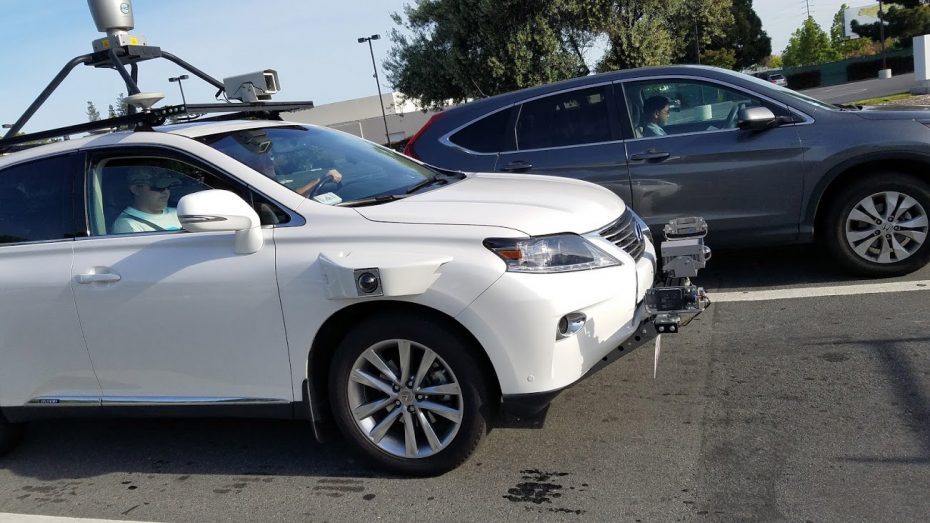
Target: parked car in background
<point x="777" y="79"/>
<point x="763" y="164"/>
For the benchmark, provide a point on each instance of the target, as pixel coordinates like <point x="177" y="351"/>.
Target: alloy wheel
<point x="405" y="398"/>
<point x="886" y="227"/>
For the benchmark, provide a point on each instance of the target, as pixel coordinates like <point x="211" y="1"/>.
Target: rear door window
<point x="570" y="118"/>
<point x="490" y="134"/>
<point x="38" y="200"/>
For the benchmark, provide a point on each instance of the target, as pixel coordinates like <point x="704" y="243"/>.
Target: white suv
<point x="405" y="303"/>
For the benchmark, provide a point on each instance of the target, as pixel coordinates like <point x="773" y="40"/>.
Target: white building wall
<point x="362" y="117"/>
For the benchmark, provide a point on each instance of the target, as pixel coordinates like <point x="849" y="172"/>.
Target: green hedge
<point x="868" y="70"/>
<point x="804" y="80"/>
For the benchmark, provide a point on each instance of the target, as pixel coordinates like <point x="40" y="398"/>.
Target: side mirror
<point x="756" y="119"/>
<point x="217" y="210"/>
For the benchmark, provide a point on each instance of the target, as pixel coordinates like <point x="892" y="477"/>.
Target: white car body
<point x="189" y="321"/>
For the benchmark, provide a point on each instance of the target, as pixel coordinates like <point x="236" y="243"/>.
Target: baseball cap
<point x="151" y="176"/>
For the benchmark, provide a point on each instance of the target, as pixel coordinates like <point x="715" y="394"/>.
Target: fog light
<point x="570" y="324"/>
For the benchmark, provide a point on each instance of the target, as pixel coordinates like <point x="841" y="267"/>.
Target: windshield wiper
<point x="424" y="183"/>
<point x="443" y="177"/>
<point x="374" y="200"/>
<point x="849" y="107"/>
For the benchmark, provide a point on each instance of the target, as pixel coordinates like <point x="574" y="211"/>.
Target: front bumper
<point x="659" y="310"/>
<point x="516" y="321"/>
<point x="528" y="409"/>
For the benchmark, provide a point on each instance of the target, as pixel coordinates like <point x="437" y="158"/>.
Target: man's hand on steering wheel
<point x="314" y="188"/>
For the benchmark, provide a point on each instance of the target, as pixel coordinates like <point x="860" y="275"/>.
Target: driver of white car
<point x="149" y="210"/>
<point x="262" y="160"/>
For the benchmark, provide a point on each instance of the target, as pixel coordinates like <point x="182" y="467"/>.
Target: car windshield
<point x="784" y="90"/>
<point x="328" y="166"/>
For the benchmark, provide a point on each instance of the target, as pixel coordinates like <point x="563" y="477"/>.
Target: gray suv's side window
<point x="677" y="106"/>
<point x="37" y="201"/>
<point x="487" y="135"/>
<point x="568" y="118"/>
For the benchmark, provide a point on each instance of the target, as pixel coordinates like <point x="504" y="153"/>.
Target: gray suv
<point x="763" y="164"/>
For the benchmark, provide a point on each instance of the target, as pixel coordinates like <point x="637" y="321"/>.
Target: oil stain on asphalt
<point x="537" y="488"/>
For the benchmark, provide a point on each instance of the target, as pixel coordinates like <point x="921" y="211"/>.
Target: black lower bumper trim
<point x="525" y="411"/>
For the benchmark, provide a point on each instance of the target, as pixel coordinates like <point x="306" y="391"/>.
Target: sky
<point x="311" y="43"/>
<point x="781" y="17"/>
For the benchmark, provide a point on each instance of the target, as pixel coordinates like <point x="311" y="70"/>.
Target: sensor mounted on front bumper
<point x="683" y="255"/>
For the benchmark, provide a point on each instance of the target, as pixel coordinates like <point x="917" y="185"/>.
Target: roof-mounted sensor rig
<point x="119" y="49"/>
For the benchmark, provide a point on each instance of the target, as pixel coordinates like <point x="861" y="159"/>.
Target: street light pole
<point x="881" y="33"/>
<point x="387" y="135"/>
<point x="181" y="86"/>
<point x="697" y="41"/>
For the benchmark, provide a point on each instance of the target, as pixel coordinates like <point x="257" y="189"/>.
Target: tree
<point x="775" y="62"/>
<point x="745" y="38"/>
<point x="658" y="32"/>
<point x="903" y="21"/>
<point x="844" y="46"/>
<point x="92" y="114"/>
<point x="460" y="49"/>
<point x="725" y="58"/>
<point x="122" y="108"/>
<point x="809" y="45"/>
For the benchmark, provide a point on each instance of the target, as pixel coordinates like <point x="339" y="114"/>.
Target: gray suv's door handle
<point x="106" y="277"/>
<point x="517" y="166"/>
<point x="651" y="155"/>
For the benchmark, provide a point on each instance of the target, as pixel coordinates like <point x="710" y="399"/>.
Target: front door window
<point x="673" y="106"/>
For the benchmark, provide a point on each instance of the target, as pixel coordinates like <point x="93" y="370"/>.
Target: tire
<point x="869" y="237"/>
<point x="10" y="435"/>
<point x="448" y="419"/>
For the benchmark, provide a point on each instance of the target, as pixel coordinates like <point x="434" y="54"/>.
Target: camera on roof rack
<point x="252" y="87"/>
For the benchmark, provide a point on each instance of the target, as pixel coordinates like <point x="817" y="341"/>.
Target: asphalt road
<point x="810" y="409"/>
<point x="862" y="90"/>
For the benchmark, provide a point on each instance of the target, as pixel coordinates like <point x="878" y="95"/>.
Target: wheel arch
<point x="338" y="325"/>
<point x="840" y="176"/>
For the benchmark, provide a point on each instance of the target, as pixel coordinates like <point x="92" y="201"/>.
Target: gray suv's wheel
<point x="408" y="395"/>
<point x="878" y="226"/>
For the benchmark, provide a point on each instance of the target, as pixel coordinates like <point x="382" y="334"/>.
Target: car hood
<point x="534" y="205"/>
<point x="894" y="112"/>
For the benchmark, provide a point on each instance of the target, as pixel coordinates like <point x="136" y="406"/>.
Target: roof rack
<point x="111" y="54"/>
<point x="145" y="121"/>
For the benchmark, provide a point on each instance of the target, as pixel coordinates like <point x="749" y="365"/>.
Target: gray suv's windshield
<point x="784" y="90"/>
<point x="328" y="166"/>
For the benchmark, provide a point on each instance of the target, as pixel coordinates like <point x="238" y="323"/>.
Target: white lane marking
<point x="816" y="292"/>
<point x="30" y="518"/>
<point x="840" y="90"/>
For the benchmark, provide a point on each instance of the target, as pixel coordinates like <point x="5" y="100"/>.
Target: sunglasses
<point x="159" y="188"/>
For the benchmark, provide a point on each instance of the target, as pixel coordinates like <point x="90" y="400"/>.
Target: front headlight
<point x="545" y="254"/>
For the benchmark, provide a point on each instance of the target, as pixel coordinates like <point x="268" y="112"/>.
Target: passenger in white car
<point x="149" y="210"/>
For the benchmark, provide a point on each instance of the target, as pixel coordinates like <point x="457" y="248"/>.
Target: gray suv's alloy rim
<point x="886" y="227"/>
<point x="405" y="399"/>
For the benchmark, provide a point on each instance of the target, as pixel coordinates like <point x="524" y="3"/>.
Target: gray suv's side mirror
<point x="756" y="119"/>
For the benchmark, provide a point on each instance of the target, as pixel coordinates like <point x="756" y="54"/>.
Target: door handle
<point x="517" y="166"/>
<point x="652" y="155"/>
<point x="105" y="277"/>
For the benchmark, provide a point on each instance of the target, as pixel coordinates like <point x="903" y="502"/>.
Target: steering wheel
<point x="731" y="120"/>
<point x="326" y="179"/>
